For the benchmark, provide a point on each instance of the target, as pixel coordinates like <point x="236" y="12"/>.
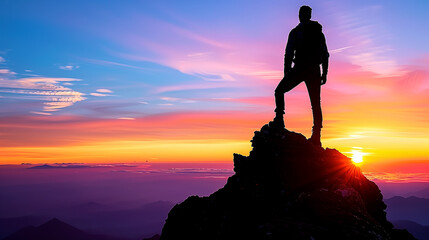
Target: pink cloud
<point x="103" y="90"/>
<point x="7" y="71"/>
<point x="98" y="94"/>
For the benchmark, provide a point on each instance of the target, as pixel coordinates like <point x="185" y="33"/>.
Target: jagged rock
<point x="286" y="188"/>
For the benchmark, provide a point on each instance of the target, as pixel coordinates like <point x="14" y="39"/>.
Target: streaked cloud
<point x="103" y="90"/>
<point x="42" y="113"/>
<point x="6" y="71"/>
<point x="179" y="100"/>
<point x="397" y="177"/>
<point x="198" y="54"/>
<point x="37" y="83"/>
<point x="57" y="105"/>
<point x="194" y="172"/>
<point x="43" y="92"/>
<point x="215" y="77"/>
<point x="50" y="92"/>
<point x="338" y="50"/>
<point x="98" y="94"/>
<point x="186" y="87"/>
<point x="112" y="63"/>
<point x="81" y="165"/>
<point x="69" y="67"/>
<point x="362" y="29"/>
<point x="2" y="59"/>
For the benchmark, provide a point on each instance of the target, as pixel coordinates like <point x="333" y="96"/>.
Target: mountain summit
<point x="287" y="188"/>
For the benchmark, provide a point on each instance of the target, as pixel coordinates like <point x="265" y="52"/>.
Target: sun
<point x="357" y="156"/>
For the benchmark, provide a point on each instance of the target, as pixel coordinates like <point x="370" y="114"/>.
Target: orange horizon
<point x="388" y="125"/>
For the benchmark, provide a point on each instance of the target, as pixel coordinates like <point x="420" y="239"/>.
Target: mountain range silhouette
<point x="54" y="229"/>
<point x="287" y="188"/>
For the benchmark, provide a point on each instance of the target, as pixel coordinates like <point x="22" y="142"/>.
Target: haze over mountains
<point x="54" y="229"/>
<point x="30" y="197"/>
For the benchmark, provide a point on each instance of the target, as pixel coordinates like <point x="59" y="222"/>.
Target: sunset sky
<point x="190" y="81"/>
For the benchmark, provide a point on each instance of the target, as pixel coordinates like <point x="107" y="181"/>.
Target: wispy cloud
<point x="43" y="92"/>
<point x="82" y="165"/>
<point x="208" y="56"/>
<point x="367" y="40"/>
<point x="37" y="83"/>
<point x="2" y="59"/>
<point x="185" y="87"/>
<point x="126" y="118"/>
<point x="338" y="50"/>
<point x="112" y="63"/>
<point x="69" y="67"/>
<point x="49" y="91"/>
<point x="42" y="113"/>
<point x="215" y="77"/>
<point x="195" y="172"/>
<point x="198" y="54"/>
<point x="179" y="100"/>
<point x="103" y="90"/>
<point x="99" y="94"/>
<point x="6" y="71"/>
<point x="57" y="105"/>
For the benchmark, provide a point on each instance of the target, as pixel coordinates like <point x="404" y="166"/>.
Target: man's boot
<point x="315" y="137"/>
<point x="278" y="121"/>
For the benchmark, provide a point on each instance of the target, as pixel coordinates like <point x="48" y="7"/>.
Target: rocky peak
<point x="286" y="188"/>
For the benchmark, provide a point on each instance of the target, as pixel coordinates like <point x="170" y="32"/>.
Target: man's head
<point x="304" y="13"/>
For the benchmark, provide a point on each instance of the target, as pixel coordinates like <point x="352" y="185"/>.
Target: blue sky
<point x="130" y="47"/>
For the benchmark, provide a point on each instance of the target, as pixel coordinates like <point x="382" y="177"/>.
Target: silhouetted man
<point x="306" y="47"/>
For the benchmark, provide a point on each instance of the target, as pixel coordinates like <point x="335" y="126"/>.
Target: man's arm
<point x="289" y="52"/>
<point x="325" y="59"/>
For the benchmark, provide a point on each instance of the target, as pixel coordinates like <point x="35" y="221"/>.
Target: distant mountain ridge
<point x="419" y="231"/>
<point x="410" y="208"/>
<point x="131" y="223"/>
<point x="11" y="225"/>
<point x="54" y="229"/>
<point x="423" y="193"/>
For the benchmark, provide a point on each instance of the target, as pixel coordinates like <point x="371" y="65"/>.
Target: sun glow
<point x="357" y="155"/>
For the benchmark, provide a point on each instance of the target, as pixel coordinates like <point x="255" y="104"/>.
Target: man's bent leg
<point x="290" y="81"/>
<point x="280" y="97"/>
